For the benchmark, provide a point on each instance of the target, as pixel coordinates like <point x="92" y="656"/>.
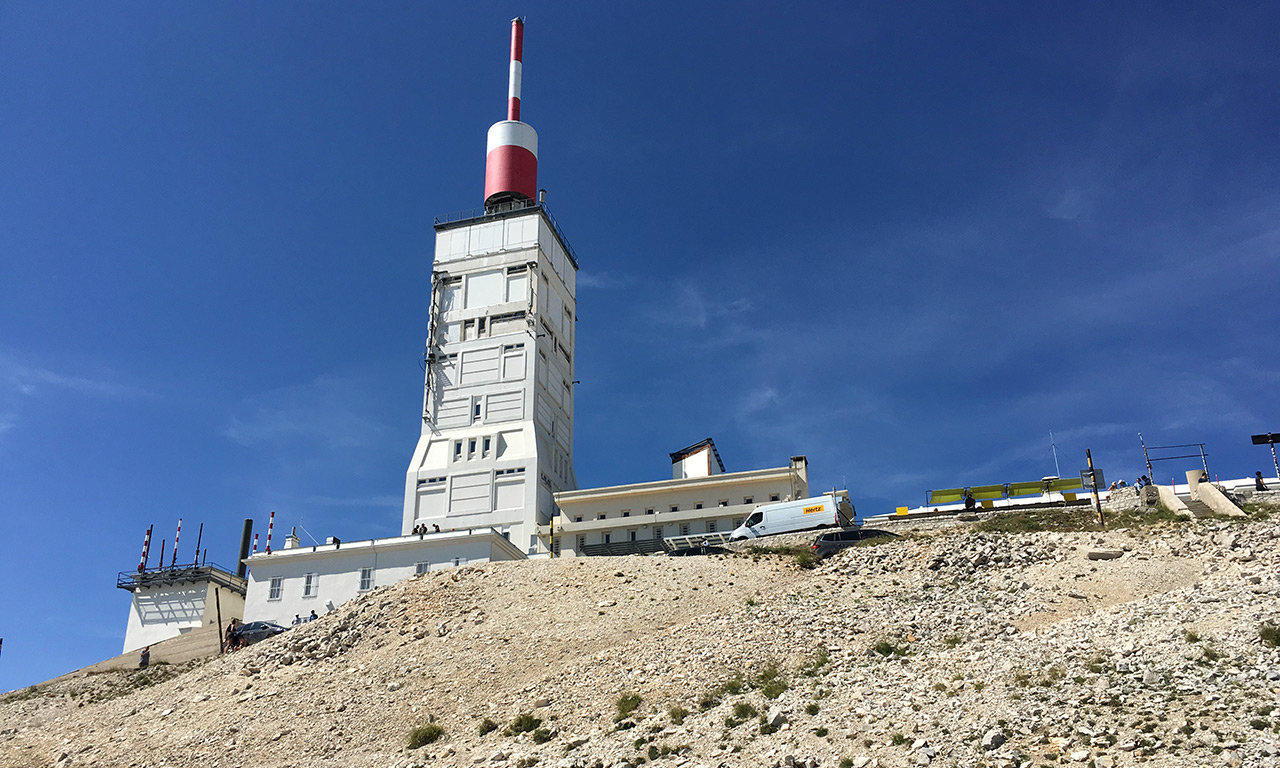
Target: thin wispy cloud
<point x="327" y="411"/>
<point x="32" y="381"/>
<point x="603" y="280"/>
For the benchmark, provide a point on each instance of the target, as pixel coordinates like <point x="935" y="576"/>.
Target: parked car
<point x="256" y="631"/>
<point x="827" y="544"/>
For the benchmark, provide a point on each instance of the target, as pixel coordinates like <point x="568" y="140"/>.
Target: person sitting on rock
<point x="1258" y="485"/>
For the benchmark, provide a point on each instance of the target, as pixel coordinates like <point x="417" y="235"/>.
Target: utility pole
<point x="1269" y="440"/>
<point x="1093" y="481"/>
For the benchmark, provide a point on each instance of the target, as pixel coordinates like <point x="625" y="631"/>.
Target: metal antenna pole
<point x="1150" y="472"/>
<point x="1203" y="461"/>
<point x="1093" y="480"/>
<point x="1056" y="469"/>
<point x="1274" y="462"/>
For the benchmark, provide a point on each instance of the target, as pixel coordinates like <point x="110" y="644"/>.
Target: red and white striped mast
<point x="511" y="159"/>
<point x="271" y="523"/>
<point x="146" y="549"/>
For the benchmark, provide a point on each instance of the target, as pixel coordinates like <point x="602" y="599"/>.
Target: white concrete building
<point x="297" y="580"/>
<point x="173" y="600"/>
<point x="700" y="498"/>
<point x="497" y="420"/>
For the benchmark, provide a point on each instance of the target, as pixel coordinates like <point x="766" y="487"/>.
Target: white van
<point x="786" y="516"/>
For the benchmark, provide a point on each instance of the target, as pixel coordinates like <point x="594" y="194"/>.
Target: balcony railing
<point x="166" y="575"/>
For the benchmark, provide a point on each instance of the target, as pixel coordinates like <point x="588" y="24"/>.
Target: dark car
<point x="255" y="631"/>
<point x="830" y="542"/>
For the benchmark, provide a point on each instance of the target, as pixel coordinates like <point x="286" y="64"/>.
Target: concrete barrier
<point x="1214" y="499"/>
<point x="1171" y="500"/>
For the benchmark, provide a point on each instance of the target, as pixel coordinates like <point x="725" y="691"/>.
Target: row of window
<point x="311" y="584"/>
<point x="676" y="507"/>
<point x="311" y="581"/>
<point x="712" y="527"/>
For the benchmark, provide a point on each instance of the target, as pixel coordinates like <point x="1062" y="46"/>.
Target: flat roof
<point x="632" y="489"/>
<point x="412" y="541"/>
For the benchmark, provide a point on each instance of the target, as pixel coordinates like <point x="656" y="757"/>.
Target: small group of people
<point x="421" y="529"/>
<point x="297" y="618"/>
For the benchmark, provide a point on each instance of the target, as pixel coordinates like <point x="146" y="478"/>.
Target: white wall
<point x="160" y="612"/>
<point x="338" y="569"/>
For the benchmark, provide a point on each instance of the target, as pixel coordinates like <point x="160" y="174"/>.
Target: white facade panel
<point x="485" y="288"/>
<point x="469" y="494"/>
<point x="454" y="412"/>
<point x="504" y="406"/>
<point x="479" y="366"/>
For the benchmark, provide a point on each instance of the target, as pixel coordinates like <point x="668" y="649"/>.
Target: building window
<point x="626" y="513"/>
<point x="698" y="505"/>
<point x="606" y="538"/>
<point x="748" y="499"/>
<point x="657" y="532"/>
<point x="421" y="568"/>
<point x="459" y="561"/>
<point x="633" y="535"/>
<point x="675" y="508"/>
<point x="649" y="511"/>
<point x="711" y="526"/>
<point x="457" y="450"/>
<point x="475" y="409"/>
<point x="582" y="543"/>
<point x="737" y="522"/>
<point x="684" y="529"/>
<point x="471" y="447"/>
<point x="723" y="503"/>
<point x="488" y="443"/>
<point x="277" y="587"/>
<point x="366" y="579"/>
<point x="602" y="516"/>
<point x="311" y="585"/>
<point x="773" y="497"/>
<point x="577" y="519"/>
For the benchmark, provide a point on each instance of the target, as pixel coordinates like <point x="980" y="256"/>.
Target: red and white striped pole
<point x="175" y="544"/>
<point x="271" y="521"/>
<point x="255" y="543"/>
<point x="517" y="56"/>
<point x="146" y="547"/>
<point x="511" y="155"/>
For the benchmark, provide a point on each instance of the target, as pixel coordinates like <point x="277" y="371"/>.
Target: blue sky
<point x="906" y="240"/>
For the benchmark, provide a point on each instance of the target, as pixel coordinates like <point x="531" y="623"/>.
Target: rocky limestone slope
<point x="949" y="648"/>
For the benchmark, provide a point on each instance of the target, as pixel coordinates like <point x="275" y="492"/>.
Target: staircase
<point x="1197" y="508"/>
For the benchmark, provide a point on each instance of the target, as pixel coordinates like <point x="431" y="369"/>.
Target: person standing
<point x="144" y="658"/>
<point x="313" y="616"/>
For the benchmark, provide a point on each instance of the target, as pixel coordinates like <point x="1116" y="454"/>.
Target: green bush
<point x="524" y="723"/>
<point x="541" y="736"/>
<point x="424" y="735"/>
<point x="888" y="649"/>
<point x="743" y="710"/>
<point x="677" y="714"/>
<point x="1269" y="634"/>
<point x="812" y="708"/>
<point x="487" y="726"/>
<point x="626" y="704"/>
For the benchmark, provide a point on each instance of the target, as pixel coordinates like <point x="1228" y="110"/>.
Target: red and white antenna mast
<point x="511" y="162"/>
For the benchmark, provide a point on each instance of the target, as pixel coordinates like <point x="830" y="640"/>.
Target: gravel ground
<point x="943" y="647"/>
